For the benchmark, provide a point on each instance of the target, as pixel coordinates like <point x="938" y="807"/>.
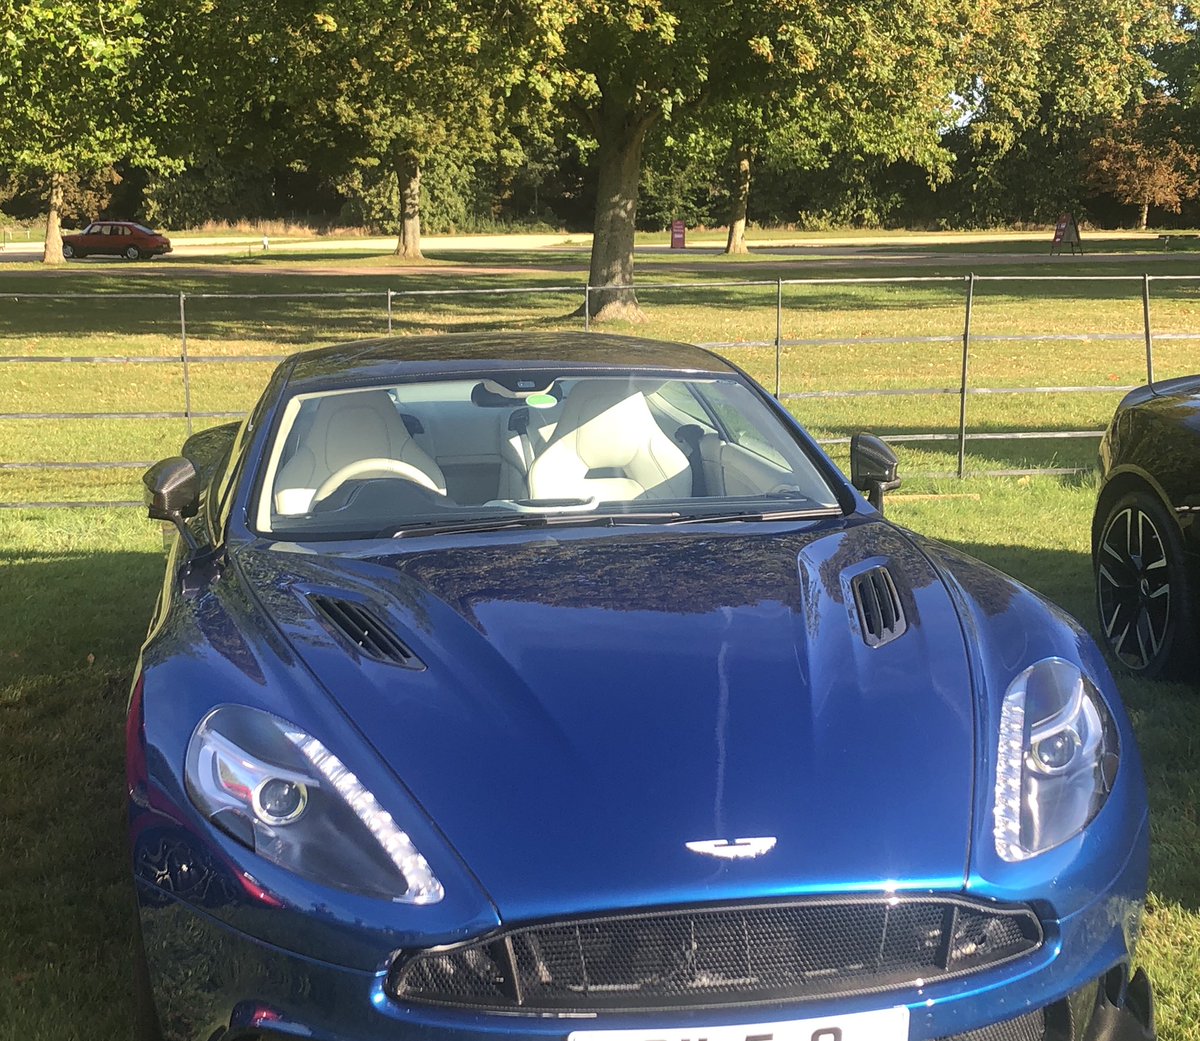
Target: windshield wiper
<point x="528" y="520"/>
<point x="812" y="513"/>
<point x="599" y="520"/>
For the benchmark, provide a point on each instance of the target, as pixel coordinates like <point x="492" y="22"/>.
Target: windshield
<point x="531" y="447"/>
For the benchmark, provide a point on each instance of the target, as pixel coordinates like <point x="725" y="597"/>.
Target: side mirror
<point x="872" y="467"/>
<point x="173" y="494"/>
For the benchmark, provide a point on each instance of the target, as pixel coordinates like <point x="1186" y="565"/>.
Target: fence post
<point x="587" y="307"/>
<point x="778" y="333"/>
<point x="389" y="310"/>
<point x="183" y="356"/>
<point x="1149" y="337"/>
<point x="962" y="393"/>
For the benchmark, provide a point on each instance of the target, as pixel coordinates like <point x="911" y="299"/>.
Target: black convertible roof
<point x="362" y="361"/>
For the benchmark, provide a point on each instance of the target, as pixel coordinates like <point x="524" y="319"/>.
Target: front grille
<point x="719" y="956"/>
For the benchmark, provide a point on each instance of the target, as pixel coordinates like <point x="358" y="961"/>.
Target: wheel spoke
<point x="1144" y="623"/>
<point x="1107" y="541"/>
<point x="1119" y="575"/>
<point x="1111" y="623"/>
<point x="1137" y="630"/>
<point x="1119" y="643"/>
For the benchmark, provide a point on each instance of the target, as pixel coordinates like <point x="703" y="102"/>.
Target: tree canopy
<point x="951" y="111"/>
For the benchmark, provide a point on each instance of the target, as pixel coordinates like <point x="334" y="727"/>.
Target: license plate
<point x="888" y="1024"/>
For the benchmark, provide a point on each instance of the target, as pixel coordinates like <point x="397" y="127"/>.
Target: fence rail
<point x="388" y="298"/>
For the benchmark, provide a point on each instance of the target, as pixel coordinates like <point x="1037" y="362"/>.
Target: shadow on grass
<point x="65" y="896"/>
<point x="295" y="320"/>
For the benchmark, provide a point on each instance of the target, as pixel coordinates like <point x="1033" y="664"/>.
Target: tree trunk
<point x="52" y="253"/>
<point x="1145" y="216"/>
<point x="736" y="243"/>
<point x="619" y="162"/>
<point x="408" y="174"/>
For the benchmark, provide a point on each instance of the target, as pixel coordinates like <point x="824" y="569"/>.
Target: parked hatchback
<point x="116" y="238"/>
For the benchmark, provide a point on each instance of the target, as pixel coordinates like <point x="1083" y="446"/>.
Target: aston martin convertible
<point x="560" y="687"/>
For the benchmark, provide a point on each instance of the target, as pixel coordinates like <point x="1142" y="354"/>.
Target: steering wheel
<point x="385" y="467"/>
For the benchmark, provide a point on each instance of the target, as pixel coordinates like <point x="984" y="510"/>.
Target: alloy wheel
<point x="1133" y="587"/>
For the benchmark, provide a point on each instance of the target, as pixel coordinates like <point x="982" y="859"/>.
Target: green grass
<point x="75" y="594"/>
<point x="76" y="587"/>
<point x="102" y="324"/>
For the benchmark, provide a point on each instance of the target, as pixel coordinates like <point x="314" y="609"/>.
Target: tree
<point x="68" y="108"/>
<point x="1037" y="76"/>
<point x="1142" y="160"/>
<point x="623" y="68"/>
<point x="880" y="87"/>
<point x="379" y="86"/>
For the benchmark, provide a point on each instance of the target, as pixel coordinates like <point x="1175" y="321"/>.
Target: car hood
<point x="594" y="701"/>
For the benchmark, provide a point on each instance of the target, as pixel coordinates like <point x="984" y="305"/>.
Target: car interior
<point x="482" y="441"/>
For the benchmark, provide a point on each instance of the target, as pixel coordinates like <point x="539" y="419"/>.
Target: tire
<point x="1145" y="595"/>
<point x="133" y="253"/>
<point x="68" y="251"/>
<point x="145" y="1017"/>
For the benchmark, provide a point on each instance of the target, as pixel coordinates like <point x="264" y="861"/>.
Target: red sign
<point x="678" y="233"/>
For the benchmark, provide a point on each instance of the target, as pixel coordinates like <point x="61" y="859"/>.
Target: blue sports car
<point x="558" y="687"/>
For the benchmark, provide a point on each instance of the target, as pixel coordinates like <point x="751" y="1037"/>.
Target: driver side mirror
<point x="172" y="494"/>
<point x="873" y="467"/>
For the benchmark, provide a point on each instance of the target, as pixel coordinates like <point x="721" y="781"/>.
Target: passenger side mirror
<point x="173" y="494"/>
<point x="873" y="467"/>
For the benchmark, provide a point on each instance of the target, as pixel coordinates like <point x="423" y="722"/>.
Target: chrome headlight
<point x="283" y="794"/>
<point x="1056" y="761"/>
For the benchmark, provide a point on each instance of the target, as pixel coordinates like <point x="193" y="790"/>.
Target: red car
<point x="116" y="238"/>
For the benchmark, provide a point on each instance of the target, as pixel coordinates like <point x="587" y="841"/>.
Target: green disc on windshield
<point x="541" y="400"/>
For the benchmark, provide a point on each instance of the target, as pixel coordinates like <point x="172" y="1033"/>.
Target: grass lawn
<point x="76" y="590"/>
<point x="102" y="323"/>
<point x="76" y="587"/>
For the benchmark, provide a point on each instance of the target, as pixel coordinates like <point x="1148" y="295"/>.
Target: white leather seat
<point x="527" y="434"/>
<point x="346" y="428"/>
<point x="608" y="445"/>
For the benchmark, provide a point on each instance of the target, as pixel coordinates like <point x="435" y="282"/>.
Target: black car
<point x="1145" y="539"/>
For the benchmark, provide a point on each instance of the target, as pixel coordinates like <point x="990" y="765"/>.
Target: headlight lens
<point x="283" y="794"/>
<point x="1056" y="761"/>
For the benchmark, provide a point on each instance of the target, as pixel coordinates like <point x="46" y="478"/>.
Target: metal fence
<point x="389" y="299"/>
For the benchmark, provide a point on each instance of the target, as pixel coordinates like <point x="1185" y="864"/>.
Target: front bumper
<point x="215" y="983"/>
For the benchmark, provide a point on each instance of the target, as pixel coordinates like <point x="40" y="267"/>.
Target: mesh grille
<point x="365" y="631"/>
<point x="1029" y="1027"/>
<point x="722" y="956"/>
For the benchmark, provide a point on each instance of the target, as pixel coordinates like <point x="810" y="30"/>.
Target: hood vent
<point x="880" y="616"/>
<point x="358" y="625"/>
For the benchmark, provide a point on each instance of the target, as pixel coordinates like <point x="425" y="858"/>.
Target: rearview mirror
<point x="173" y="494"/>
<point x="873" y="467"/>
